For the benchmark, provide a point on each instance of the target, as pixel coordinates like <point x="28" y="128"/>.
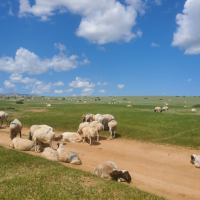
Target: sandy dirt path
<point x="162" y="170"/>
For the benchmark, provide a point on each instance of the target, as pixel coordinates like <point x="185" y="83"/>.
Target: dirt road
<point x="163" y="170"/>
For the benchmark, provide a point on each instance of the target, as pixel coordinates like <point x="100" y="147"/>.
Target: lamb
<point x="195" y="160"/>
<point x="69" y="137"/>
<point x="43" y="134"/>
<point x="15" y="128"/>
<point x="157" y="109"/>
<point x="3" y="115"/>
<point x="34" y="127"/>
<point x="22" y="144"/>
<point x="65" y="155"/>
<point x="109" y="170"/>
<point x="112" y="128"/>
<point x="165" y="108"/>
<point x="50" y="154"/>
<point x="90" y="133"/>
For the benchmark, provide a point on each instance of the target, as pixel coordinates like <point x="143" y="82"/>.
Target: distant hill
<point x="17" y="94"/>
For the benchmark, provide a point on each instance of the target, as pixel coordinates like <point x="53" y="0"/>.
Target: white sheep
<point x="15" y="128"/>
<point x="43" y="134"/>
<point x="109" y="170"/>
<point x="129" y="106"/>
<point x="165" y="108"/>
<point x="96" y="117"/>
<point x="35" y="127"/>
<point x="65" y="155"/>
<point x="3" y="115"/>
<point x="69" y="137"/>
<point x="194" y="110"/>
<point x="50" y="154"/>
<point x="90" y="133"/>
<point x="99" y="126"/>
<point x="22" y="144"/>
<point x="89" y="117"/>
<point x="104" y="121"/>
<point x="109" y="117"/>
<point x="157" y="109"/>
<point x="195" y="160"/>
<point x="112" y="128"/>
<point x="83" y="125"/>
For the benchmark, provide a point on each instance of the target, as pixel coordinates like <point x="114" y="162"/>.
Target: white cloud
<point x="102" y="21"/>
<point x="10" y="9"/>
<point x="39" y="89"/>
<point x="187" y="35"/>
<point x="59" y="83"/>
<point x="87" y="92"/>
<point x="101" y="48"/>
<point x="17" y="78"/>
<point x="59" y="46"/>
<point x="154" y="45"/>
<point x="9" y="85"/>
<point x="158" y="2"/>
<point x="26" y="61"/>
<point x="104" y="83"/>
<point x="58" y="91"/>
<point x="102" y="91"/>
<point x="69" y="90"/>
<point x="39" y="82"/>
<point x="120" y="86"/>
<point x="1" y="89"/>
<point x="189" y="79"/>
<point x="139" y="33"/>
<point x="81" y="83"/>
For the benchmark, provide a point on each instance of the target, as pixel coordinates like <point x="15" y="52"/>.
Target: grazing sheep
<point x="129" y="106"/>
<point x="112" y="128"/>
<point x="3" y="115"/>
<point x="43" y="134"/>
<point x="50" y="154"/>
<point x="90" y="133"/>
<point x="109" y="170"/>
<point x="195" y="160"/>
<point x="157" y="109"/>
<point x="89" y="117"/>
<point x="83" y="118"/>
<point x="165" y="108"/>
<point x="34" y="127"/>
<point x="65" y="155"/>
<point x="194" y="110"/>
<point x="15" y="128"/>
<point x="104" y="121"/>
<point x="109" y="117"/>
<point x="22" y="144"/>
<point x="69" y="137"/>
<point x="83" y="125"/>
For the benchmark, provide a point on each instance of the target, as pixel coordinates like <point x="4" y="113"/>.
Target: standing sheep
<point x="83" y="125"/>
<point x="35" y="127"/>
<point x="15" y="128"/>
<point x="157" y="109"/>
<point x="65" y="155"/>
<point x="112" y="128"/>
<point x="165" y="108"/>
<point x="109" y="170"/>
<point x="83" y="118"/>
<point x="104" y="121"/>
<point x="90" y="133"/>
<point x="89" y="117"/>
<point x="3" y="115"/>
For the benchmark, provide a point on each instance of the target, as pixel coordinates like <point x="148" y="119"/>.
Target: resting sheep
<point x="157" y="109"/>
<point x="3" y="115"/>
<point x="50" y="154"/>
<point x="90" y="133"/>
<point x="43" y="134"/>
<point x="109" y="170"/>
<point x="65" y="155"/>
<point x="112" y="128"/>
<point x="69" y="137"/>
<point x="195" y="160"/>
<point x="15" y="128"/>
<point x="22" y="144"/>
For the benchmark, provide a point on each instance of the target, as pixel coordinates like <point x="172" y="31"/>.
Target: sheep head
<point x="117" y="174"/>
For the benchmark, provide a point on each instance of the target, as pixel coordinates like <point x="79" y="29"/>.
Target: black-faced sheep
<point x="157" y="109"/>
<point x="195" y="160"/>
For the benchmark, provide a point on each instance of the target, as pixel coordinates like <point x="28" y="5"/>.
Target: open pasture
<point x="179" y="126"/>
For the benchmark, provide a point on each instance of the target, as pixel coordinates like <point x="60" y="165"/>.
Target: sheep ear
<point x="115" y="173"/>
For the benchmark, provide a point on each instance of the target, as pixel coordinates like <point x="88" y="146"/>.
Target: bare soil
<point x="162" y="170"/>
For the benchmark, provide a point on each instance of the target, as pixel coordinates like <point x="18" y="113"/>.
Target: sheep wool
<point x="50" y="154"/>
<point x="22" y="144"/>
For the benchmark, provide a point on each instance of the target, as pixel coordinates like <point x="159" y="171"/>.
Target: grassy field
<point x="180" y="126"/>
<point x="23" y="176"/>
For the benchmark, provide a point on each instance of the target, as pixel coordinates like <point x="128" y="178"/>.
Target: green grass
<point x="179" y="126"/>
<point x="23" y="176"/>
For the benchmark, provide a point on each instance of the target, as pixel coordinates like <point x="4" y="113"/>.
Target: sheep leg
<point x="35" y="141"/>
<point x="114" y="134"/>
<point x="6" y="121"/>
<point x="98" y="136"/>
<point x="90" y="141"/>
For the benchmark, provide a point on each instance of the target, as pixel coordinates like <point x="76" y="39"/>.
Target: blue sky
<point x="100" y="48"/>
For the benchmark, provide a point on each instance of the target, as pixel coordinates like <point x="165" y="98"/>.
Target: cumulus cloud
<point x="1" y="89"/>
<point x="87" y="91"/>
<point x="102" y="91"/>
<point x="120" y="86"/>
<point x="158" y="2"/>
<point x="59" y="46"/>
<point x="104" y="83"/>
<point x="154" y="45"/>
<point x="187" y="35"/>
<point x="81" y="83"/>
<point x="58" y="91"/>
<point x="59" y="83"/>
<point x="69" y="90"/>
<point x="102" y="21"/>
<point x="17" y="78"/>
<point x="26" y="61"/>
<point x="9" y="85"/>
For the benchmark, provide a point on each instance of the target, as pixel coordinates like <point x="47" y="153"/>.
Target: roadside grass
<point x="24" y="176"/>
<point x="179" y="126"/>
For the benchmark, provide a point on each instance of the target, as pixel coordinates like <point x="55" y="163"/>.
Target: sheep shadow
<point x="102" y="138"/>
<point x="117" y="135"/>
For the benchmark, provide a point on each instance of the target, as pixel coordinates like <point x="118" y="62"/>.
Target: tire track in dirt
<point x="163" y="170"/>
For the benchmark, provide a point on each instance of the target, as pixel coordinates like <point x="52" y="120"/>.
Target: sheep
<point x="112" y="128"/>
<point x="15" y="128"/>
<point x="3" y="115"/>
<point x="83" y="125"/>
<point x="43" y="134"/>
<point x="109" y="170"/>
<point x="83" y="118"/>
<point x="99" y="126"/>
<point x="165" y="108"/>
<point x="69" y="137"/>
<point x="89" y="117"/>
<point x="34" y="127"/>
<point x="50" y="154"/>
<point x="104" y="121"/>
<point x="157" y="109"/>
<point x="22" y="144"/>
<point x="129" y="106"/>
<point x="109" y="117"/>
<point x="194" y="110"/>
<point x="65" y="155"/>
<point x="48" y="105"/>
<point x="90" y="133"/>
<point x="96" y="117"/>
<point x="195" y="160"/>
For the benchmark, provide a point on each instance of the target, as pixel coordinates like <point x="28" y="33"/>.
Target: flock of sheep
<point x="43" y="135"/>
